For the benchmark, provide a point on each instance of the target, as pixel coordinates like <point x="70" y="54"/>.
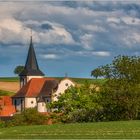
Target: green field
<point x="100" y="130"/>
<point x="6" y="93"/>
<point x="77" y="80"/>
<point x="9" y="79"/>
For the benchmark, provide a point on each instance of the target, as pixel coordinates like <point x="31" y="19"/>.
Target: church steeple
<point x="31" y="62"/>
<point x="31" y="68"/>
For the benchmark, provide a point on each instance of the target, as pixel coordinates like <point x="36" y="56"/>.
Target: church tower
<point x="31" y="69"/>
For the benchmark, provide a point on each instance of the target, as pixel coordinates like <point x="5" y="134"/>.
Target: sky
<point x="72" y="37"/>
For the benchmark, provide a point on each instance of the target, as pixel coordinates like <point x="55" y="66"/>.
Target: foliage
<point x="121" y="93"/>
<point x="2" y="124"/>
<point x="96" y="73"/>
<point x="78" y="103"/>
<point x="123" y="68"/>
<point x="118" y="98"/>
<point x="28" y="117"/>
<point x="18" y="69"/>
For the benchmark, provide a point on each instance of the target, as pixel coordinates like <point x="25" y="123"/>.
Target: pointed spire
<point x="31" y="66"/>
<point x="31" y="62"/>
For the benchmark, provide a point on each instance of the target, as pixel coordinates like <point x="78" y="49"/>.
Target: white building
<point x="37" y="91"/>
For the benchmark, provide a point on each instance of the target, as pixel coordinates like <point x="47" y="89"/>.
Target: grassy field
<point x="101" y="130"/>
<point x="6" y="93"/>
<point x="77" y="80"/>
<point x="9" y="79"/>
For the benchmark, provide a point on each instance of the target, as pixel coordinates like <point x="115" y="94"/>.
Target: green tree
<point x="97" y="73"/>
<point x="18" y="69"/>
<point x="121" y="93"/>
<point x="79" y="104"/>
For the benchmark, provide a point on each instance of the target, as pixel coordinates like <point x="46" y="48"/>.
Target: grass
<point x="77" y="80"/>
<point x="6" y="93"/>
<point x="9" y="79"/>
<point x="100" y="130"/>
<point x="89" y="80"/>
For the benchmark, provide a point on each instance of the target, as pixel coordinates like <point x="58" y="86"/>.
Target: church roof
<point x="31" y="66"/>
<point x="37" y="87"/>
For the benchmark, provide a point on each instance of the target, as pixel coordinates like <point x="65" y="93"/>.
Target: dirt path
<point x="9" y="86"/>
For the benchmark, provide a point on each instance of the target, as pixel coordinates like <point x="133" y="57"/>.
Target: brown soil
<point x="9" y="86"/>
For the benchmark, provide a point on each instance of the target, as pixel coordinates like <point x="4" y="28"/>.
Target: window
<point x="66" y="84"/>
<point x="15" y="102"/>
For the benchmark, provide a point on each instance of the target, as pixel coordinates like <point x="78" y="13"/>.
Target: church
<point x="35" y="89"/>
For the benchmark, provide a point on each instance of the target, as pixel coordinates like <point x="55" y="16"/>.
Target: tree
<point x="120" y="95"/>
<point x="97" y="73"/>
<point x="123" y="68"/>
<point x="79" y="104"/>
<point x="18" y="69"/>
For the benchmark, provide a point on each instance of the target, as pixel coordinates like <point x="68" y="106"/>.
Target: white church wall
<point x="63" y="85"/>
<point x="41" y="107"/>
<point x="30" y="102"/>
<point x="30" y="77"/>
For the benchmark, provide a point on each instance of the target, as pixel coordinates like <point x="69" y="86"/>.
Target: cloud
<point x="14" y="31"/>
<point x="113" y="20"/>
<point x="93" y="28"/>
<point x="49" y="56"/>
<point x="58" y="35"/>
<point x="94" y="53"/>
<point x="130" y="39"/>
<point x="87" y="41"/>
<point x="101" y="53"/>
<point x="131" y="20"/>
<point x="72" y="29"/>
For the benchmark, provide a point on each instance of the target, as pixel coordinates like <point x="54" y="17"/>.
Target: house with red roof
<point x="6" y="106"/>
<point x="35" y="89"/>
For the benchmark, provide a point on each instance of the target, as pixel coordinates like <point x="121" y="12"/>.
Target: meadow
<point x="100" y="130"/>
<point x="6" y="93"/>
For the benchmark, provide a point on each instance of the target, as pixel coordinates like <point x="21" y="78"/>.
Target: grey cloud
<point x="88" y="25"/>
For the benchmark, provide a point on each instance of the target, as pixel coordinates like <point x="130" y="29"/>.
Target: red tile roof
<point x="36" y="86"/>
<point x="6" y="107"/>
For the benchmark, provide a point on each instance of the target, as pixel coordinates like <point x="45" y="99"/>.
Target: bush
<point x="28" y="117"/>
<point x="83" y="115"/>
<point x="2" y="124"/>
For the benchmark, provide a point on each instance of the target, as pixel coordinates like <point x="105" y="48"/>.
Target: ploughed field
<point x="100" y="130"/>
<point x="9" y="86"/>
